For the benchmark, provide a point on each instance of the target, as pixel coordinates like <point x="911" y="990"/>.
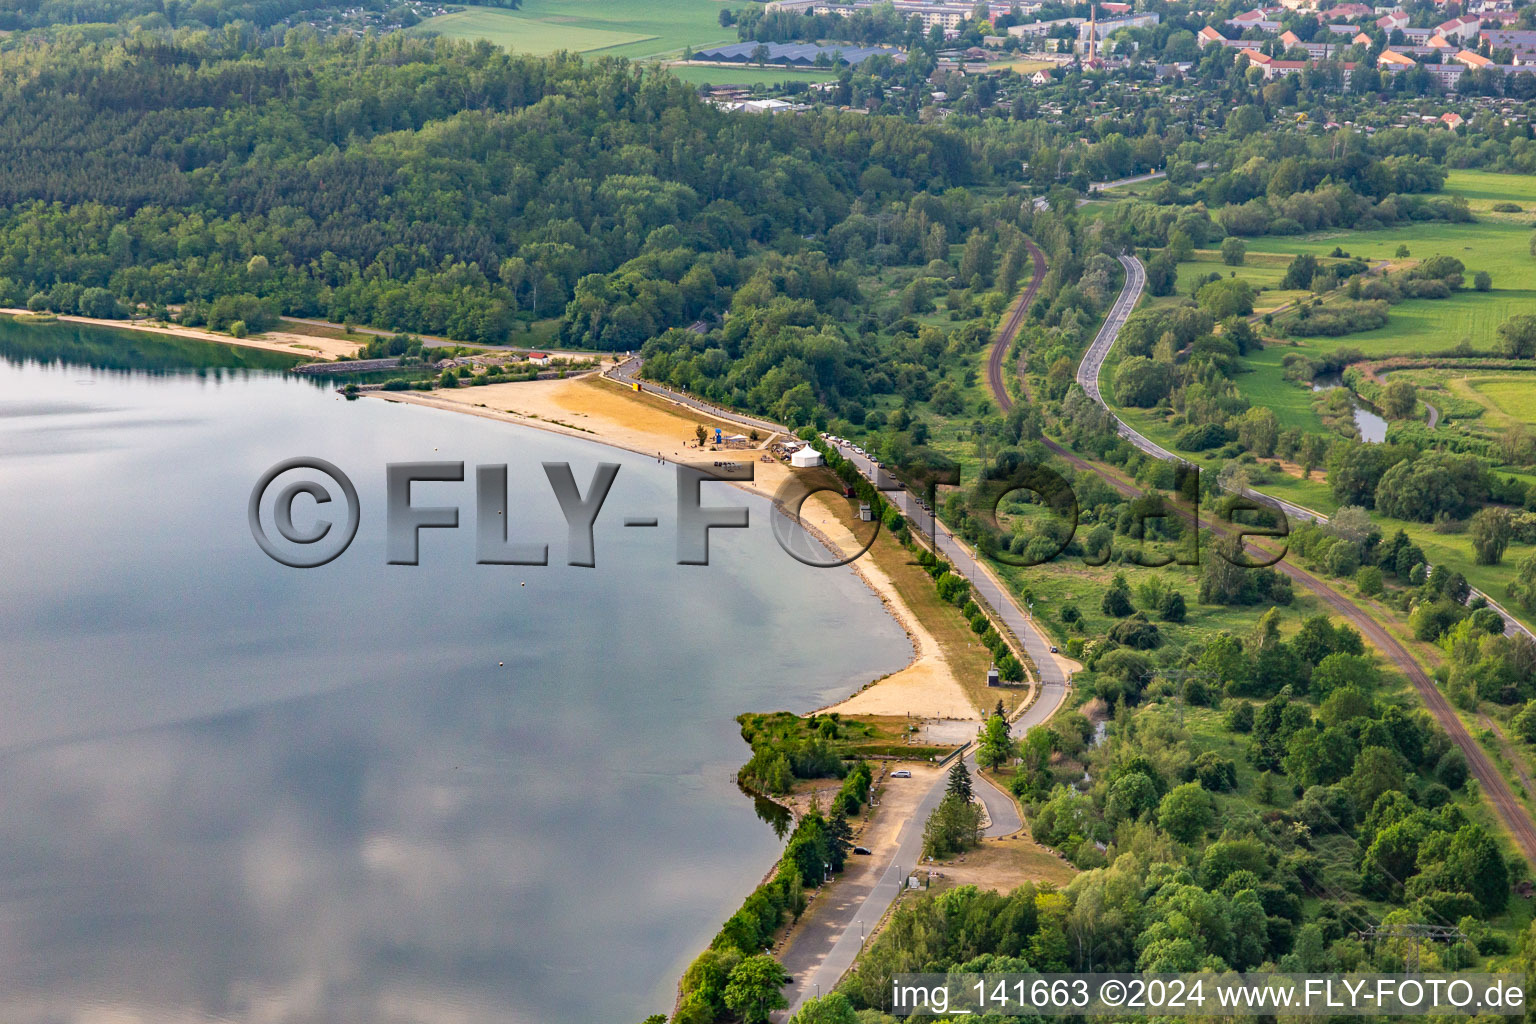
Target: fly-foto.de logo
<point x="333" y="512"/>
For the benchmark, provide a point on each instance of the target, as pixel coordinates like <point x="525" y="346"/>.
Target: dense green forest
<point x="25" y="14"/>
<point x="421" y="185"/>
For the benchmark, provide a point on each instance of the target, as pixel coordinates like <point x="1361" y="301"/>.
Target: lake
<point x="365" y="792"/>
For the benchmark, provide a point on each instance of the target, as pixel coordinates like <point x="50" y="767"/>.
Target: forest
<point x="424" y="185"/>
<point x="25" y="14"/>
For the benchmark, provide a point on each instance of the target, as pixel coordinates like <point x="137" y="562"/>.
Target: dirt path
<point x="303" y="345"/>
<point x="1511" y="755"/>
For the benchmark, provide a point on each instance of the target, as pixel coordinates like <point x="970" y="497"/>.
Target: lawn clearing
<point x="1512" y="395"/>
<point x="711" y="74"/>
<point x="621" y="28"/>
<point x="515" y="32"/>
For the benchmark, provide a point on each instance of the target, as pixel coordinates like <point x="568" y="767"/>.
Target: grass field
<point x="1512" y="395"/>
<point x="623" y="28"/>
<point x="1497" y="243"/>
<point x="1028" y="67"/>
<point x="1482" y="189"/>
<point x="1263" y="271"/>
<point x="713" y="75"/>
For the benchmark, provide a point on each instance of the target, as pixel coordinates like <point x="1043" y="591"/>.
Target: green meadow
<point x="621" y="28"/>
<point x="1511" y="395"/>
<point x="1497" y="242"/>
<point x="712" y="75"/>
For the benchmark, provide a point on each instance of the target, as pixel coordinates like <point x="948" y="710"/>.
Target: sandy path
<point x="600" y="410"/>
<point x="927" y="688"/>
<point x="272" y="341"/>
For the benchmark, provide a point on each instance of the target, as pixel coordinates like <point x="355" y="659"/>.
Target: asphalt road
<point x="824" y="950"/>
<point x="983" y="582"/>
<point x="1091" y="367"/>
<point x="1509" y="809"/>
<point x="818" y="962"/>
<point x="1002" y="809"/>
<point x="628" y="371"/>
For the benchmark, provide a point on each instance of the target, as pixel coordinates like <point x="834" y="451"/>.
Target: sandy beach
<point x="601" y="410"/>
<point x="273" y="341"/>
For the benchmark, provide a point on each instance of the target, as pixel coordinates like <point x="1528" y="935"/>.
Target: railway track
<point x="1011" y="328"/>
<point x="1514" y="814"/>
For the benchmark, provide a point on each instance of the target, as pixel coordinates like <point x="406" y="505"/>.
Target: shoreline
<point x="303" y="346"/>
<point x="925" y="685"/>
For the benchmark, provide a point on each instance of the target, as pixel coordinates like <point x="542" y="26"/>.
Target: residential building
<point x="1106" y="27"/>
<point x="1446" y="75"/>
<point x="1206" y="36"/>
<point x="1461" y="29"/>
<point x="1391" y="60"/>
<point x="1260" y="20"/>
<point x="1349" y="12"/>
<point x="1523" y="43"/>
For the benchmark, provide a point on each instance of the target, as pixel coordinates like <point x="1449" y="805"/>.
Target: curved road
<point x="819" y="957"/>
<point x="1089" y="370"/>
<point x="1002" y="809"/>
<point x="627" y="372"/>
<point x="1514" y="815"/>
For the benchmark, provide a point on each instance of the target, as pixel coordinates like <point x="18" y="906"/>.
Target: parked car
<point x="1053" y="649"/>
<point x="861" y="851"/>
<point x="901" y="773"/>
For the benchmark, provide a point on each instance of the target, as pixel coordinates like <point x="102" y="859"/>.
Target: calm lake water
<point x="237" y="791"/>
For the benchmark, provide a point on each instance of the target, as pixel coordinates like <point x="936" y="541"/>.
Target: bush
<point x="1136" y="632"/>
<point x="1117" y="599"/>
<point x="1239" y="717"/>
<point x="1202" y="438"/>
<point x="1482" y="281"/>
<point x="1343" y="318"/>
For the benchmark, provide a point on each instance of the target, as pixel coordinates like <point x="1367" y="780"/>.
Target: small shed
<point x="992" y="677"/>
<point x="806" y="457"/>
